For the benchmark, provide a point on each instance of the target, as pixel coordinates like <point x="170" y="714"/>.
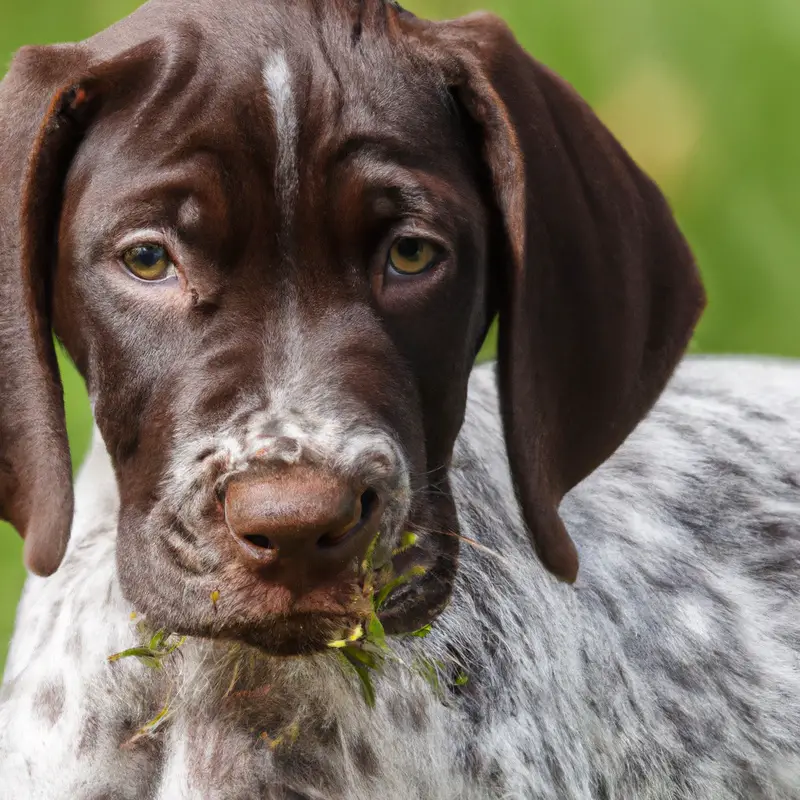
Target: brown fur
<point x="163" y="120"/>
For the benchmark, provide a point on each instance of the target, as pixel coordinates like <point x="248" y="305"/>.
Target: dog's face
<point x="274" y="279"/>
<point x="282" y="232"/>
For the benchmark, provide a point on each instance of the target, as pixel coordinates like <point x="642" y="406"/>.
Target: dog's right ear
<point x="47" y="101"/>
<point x="41" y="110"/>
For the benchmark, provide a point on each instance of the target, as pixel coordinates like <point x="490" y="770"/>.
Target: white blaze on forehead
<point x="278" y="80"/>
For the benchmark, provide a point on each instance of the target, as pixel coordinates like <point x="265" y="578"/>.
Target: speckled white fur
<point x="670" y="670"/>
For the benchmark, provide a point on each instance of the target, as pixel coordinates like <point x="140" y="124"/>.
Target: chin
<point x="304" y="635"/>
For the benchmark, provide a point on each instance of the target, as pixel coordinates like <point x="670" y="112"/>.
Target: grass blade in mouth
<point x="366" y="651"/>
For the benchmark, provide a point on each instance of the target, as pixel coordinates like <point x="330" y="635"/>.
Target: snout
<point x="300" y="526"/>
<point x="263" y="539"/>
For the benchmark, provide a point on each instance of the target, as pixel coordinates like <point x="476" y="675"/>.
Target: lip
<point x="310" y="631"/>
<point x="294" y="636"/>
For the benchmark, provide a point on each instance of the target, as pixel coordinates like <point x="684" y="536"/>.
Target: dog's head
<point x="273" y="236"/>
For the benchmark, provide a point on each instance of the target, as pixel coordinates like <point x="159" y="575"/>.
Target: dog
<point x="273" y="237"/>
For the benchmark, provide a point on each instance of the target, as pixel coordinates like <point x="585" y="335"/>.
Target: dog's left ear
<point x="598" y="293"/>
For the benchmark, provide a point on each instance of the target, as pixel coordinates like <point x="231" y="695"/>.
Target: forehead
<point x="336" y="66"/>
<point x="282" y="91"/>
<point x="286" y="97"/>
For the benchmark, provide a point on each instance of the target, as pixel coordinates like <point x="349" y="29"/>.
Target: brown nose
<point x="301" y="525"/>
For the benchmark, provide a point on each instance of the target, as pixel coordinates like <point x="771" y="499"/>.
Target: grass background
<point x="702" y="92"/>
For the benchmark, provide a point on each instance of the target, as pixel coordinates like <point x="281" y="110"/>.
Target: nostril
<point x="368" y="503"/>
<point x="257" y="540"/>
<point x="369" y="500"/>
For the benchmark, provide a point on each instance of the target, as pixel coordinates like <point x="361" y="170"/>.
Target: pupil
<point x="408" y="248"/>
<point x="149" y="256"/>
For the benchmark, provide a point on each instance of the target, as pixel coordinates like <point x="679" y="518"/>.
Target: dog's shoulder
<point x="686" y="607"/>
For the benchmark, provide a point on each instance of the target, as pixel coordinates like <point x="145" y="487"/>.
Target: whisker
<point x="472" y="543"/>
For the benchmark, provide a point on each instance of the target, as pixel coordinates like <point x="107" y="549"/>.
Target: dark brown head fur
<point x="277" y="150"/>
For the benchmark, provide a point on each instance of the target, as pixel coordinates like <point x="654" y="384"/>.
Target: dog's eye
<point x="410" y="256"/>
<point x="149" y="262"/>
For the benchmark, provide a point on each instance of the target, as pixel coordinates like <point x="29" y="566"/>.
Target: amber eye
<point x="410" y="256"/>
<point x="149" y="262"/>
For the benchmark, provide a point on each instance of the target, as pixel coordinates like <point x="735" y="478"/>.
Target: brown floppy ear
<point x="47" y="101"/>
<point x="40" y="122"/>
<point x="599" y="292"/>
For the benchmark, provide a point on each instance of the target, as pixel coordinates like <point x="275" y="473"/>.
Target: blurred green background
<point x="704" y="93"/>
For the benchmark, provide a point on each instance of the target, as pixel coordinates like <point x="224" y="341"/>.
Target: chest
<point x="198" y="727"/>
<point x="109" y="742"/>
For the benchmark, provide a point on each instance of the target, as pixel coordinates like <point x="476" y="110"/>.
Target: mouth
<point x="359" y="639"/>
<point x="403" y="582"/>
<point x="385" y="593"/>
